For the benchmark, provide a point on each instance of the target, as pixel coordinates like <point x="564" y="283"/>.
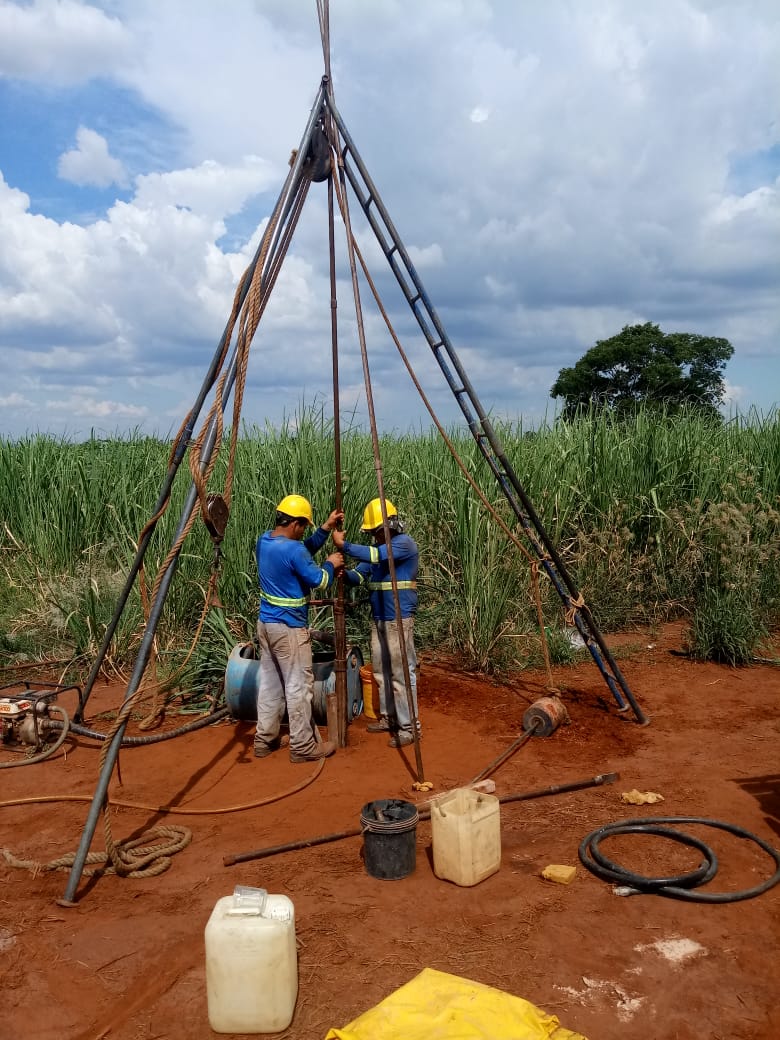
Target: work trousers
<point x="388" y="669"/>
<point x="286" y="678"/>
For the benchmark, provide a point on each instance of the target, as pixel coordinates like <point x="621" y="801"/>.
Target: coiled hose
<point x="681" y="885"/>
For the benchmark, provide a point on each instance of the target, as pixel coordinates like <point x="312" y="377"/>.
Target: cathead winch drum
<point x="242" y="682"/>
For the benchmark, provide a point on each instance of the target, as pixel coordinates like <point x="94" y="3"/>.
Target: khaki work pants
<point x="286" y="679"/>
<point x="388" y="669"/>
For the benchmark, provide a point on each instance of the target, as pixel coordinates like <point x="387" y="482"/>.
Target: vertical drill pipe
<point x="380" y="476"/>
<point x="339" y="618"/>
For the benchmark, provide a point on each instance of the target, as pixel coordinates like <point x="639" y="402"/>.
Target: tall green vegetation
<point x="657" y="515"/>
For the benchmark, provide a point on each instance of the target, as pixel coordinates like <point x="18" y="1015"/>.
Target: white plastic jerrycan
<point x="251" y="962"/>
<point x="466" y="830"/>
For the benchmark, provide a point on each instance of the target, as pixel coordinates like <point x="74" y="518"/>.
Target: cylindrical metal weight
<point x="545" y="716"/>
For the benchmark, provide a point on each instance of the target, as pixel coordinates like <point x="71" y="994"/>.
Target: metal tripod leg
<point x="487" y="440"/>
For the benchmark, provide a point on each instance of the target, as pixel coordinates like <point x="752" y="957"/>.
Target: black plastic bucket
<point x="390" y="837"/>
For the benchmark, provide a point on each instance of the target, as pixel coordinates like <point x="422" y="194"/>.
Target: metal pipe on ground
<point x="541" y="719"/>
<point x="293" y="846"/>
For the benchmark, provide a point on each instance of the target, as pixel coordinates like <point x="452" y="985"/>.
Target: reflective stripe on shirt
<point x="386" y="586"/>
<point x="281" y="601"/>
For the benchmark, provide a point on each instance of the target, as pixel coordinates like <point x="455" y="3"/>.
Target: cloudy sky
<point x="558" y="170"/>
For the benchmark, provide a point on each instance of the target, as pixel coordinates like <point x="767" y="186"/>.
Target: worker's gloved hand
<point x="338" y="539"/>
<point x="334" y="520"/>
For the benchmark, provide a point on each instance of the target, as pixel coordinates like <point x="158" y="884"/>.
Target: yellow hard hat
<point x="296" y="506"/>
<point x="372" y="514"/>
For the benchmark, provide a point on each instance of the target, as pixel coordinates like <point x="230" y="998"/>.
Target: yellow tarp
<point x="437" y="1006"/>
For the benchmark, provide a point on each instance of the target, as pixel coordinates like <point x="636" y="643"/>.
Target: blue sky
<point x="558" y="171"/>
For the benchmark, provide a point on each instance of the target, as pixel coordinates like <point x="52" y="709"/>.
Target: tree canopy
<point x="642" y="365"/>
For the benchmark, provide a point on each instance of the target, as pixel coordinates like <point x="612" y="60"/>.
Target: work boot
<point x="401" y="739"/>
<point x="380" y="726"/>
<point x="323" y="750"/>
<point x="264" y="750"/>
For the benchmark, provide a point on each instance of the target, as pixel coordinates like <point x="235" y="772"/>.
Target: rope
<point x="130" y="858"/>
<point x="173" y="810"/>
<point x="248" y="318"/>
<point x="454" y="453"/>
<point x="574" y="606"/>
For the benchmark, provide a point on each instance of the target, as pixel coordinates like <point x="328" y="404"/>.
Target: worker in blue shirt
<point x="386" y="660"/>
<point x="287" y="573"/>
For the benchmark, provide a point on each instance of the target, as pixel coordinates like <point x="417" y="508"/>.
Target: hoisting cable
<point x="534" y="563"/>
<point x="178" y="449"/>
<point x="125" y="859"/>
<point x="284" y="203"/>
<point x="478" y="422"/>
<point x="248" y="315"/>
<point x="344" y="208"/>
<point x="339" y="614"/>
<point x="129" y="858"/>
<point x="680" y="886"/>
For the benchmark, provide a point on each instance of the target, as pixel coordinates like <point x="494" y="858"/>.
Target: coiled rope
<point x="132" y="858"/>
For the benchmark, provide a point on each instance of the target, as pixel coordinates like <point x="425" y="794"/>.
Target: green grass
<point x="655" y="516"/>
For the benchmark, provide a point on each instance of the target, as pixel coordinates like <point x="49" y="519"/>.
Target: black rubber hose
<point x="675" y="887"/>
<point x="155" y="738"/>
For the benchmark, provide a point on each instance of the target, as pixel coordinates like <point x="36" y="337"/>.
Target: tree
<point x="642" y="365"/>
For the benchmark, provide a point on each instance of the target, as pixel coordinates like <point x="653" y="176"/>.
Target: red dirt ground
<point x="127" y="963"/>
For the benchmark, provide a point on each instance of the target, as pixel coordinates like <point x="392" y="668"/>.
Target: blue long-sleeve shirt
<point x="374" y="570"/>
<point x="287" y="573"/>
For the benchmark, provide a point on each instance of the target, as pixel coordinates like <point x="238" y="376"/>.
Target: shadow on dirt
<point x="766" y="791"/>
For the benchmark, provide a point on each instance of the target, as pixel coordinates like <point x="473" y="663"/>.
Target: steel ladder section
<point x="478" y="422"/>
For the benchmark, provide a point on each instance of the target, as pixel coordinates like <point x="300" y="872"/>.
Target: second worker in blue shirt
<point x="386" y="660"/>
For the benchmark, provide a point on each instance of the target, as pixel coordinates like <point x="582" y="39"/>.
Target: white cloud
<point x="61" y="42"/>
<point x="554" y="175"/>
<point x="90" y="408"/>
<point x="90" y="163"/>
<point x="209" y="189"/>
<point x="15" y="400"/>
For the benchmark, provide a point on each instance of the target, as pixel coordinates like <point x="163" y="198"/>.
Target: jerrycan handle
<point x="248" y="902"/>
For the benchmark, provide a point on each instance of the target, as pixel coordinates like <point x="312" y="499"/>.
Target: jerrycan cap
<point x="248" y="902"/>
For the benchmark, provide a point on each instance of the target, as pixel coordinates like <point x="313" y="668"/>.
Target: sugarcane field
<point x="360" y="679"/>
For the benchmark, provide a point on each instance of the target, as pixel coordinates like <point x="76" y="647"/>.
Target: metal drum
<point x="242" y="681"/>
